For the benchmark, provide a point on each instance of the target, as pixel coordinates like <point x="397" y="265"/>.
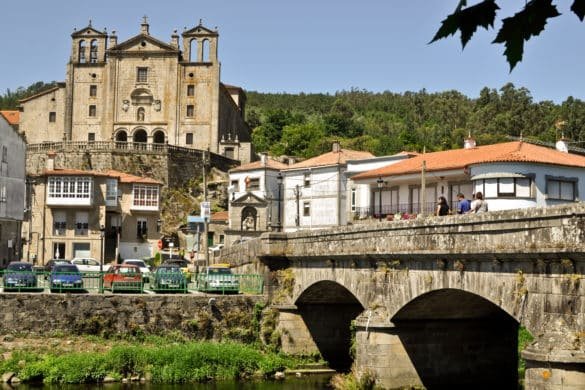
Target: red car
<point x="123" y="277"/>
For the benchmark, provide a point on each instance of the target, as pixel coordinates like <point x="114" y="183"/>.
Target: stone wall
<point x="201" y="317"/>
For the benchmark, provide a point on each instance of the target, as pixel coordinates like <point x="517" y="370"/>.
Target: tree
<point x="524" y="25"/>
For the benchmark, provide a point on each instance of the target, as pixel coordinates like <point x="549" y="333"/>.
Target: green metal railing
<point x="64" y="282"/>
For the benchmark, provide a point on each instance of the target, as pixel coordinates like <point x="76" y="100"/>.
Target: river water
<point x="307" y="382"/>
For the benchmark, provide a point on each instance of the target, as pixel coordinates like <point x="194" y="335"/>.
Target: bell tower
<point x="200" y="45"/>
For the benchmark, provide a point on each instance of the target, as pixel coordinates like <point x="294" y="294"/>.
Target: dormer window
<point x="141" y="75"/>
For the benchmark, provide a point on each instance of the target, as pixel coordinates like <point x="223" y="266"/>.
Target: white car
<point x="144" y="269"/>
<point x="88" y="264"/>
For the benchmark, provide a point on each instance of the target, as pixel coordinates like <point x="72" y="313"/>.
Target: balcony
<point x="387" y="212"/>
<point x="69" y="201"/>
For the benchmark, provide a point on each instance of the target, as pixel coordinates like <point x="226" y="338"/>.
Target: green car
<point x="218" y="278"/>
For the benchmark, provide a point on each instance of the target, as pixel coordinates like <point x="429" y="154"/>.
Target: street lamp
<point x="380" y="185"/>
<point x="279" y="180"/>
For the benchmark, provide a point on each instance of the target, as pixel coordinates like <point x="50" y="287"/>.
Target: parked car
<point x="88" y="265"/>
<point x="218" y="278"/>
<point x="169" y="277"/>
<point x="123" y="277"/>
<point x="144" y="269"/>
<point x="183" y="264"/>
<point x="65" y="277"/>
<point x="51" y="263"/>
<point x="19" y="275"/>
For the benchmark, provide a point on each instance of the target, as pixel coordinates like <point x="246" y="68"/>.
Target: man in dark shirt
<point x="463" y="205"/>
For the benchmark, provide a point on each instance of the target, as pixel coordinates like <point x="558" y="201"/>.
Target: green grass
<point x="179" y="362"/>
<point x="524" y="338"/>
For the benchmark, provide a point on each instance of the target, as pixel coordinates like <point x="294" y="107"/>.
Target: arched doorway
<point x="158" y="137"/>
<point x="248" y="218"/>
<point x="454" y="338"/>
<point x="328" y="308"/>
<point x="121" y="138"/>
<point x="139" y="139"/>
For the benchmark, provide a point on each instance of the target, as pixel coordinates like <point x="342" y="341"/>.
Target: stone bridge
<point x="437" y="302"/>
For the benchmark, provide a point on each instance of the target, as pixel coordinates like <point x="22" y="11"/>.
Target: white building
<point x="510" y="175"/>
<point x="315" y="190"/>
<point x="12" y="189"/>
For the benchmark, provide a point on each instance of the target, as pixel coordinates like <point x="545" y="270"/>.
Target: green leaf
<point x="522" y="26"/>
<point x="467" y="20"/>
<point x="578" y="8"/>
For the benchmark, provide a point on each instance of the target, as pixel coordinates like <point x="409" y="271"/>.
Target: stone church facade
<point x="141" y="93"/>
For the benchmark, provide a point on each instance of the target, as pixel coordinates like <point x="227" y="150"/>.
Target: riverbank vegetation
<point x="154" y="359"/>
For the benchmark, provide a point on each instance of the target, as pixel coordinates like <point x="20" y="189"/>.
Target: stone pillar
<point x="556" y="360"/>
<point x="295" y="336"/>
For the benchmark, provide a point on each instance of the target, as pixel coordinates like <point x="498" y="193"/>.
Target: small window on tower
<point x="52" y="116"/>
<point x="142" y="75"/>
<point x="91" y="137"/>
<point x="190" y="90"/>
<point x="190" y="110"/>
<point x="93" y="90"/>
<point x="189" y="138"/>
<point x="92" y="110"/>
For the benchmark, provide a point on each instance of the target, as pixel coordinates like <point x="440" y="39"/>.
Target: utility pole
<point x="206" y="222"/>
<point x="423" y="188"/>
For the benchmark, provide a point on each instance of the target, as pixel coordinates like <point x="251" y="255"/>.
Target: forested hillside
<point x="386" y="123"/>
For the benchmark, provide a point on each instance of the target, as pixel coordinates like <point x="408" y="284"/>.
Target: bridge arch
<point x="327" y="308"/>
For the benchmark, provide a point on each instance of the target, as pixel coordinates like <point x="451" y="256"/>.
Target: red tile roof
<point x="219" y="216"/>
<point x="122" y="176"/>
<point x="332" y="158"/>
<point x="12" y="117"/>
<point x="516" y="151"/>
<point x="270" y="164"/>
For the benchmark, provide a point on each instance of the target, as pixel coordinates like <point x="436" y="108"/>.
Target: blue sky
<point x="308" y="45"/>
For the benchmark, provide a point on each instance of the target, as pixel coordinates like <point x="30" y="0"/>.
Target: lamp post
<point x="380" y="185"/>
<point x="279" y="180"/>
<point x="102" y="236"/>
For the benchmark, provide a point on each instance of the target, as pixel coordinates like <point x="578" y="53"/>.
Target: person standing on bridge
<point x="463" y="205"/>
<point x="442" y="207"/>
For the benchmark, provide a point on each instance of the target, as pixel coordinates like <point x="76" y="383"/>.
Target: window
<point x="111" y="190"/>
<point x="93" y="51"/>
<point x="353" y="199"/>
<point x="190" y="110"/>
<point x="189" y="138"/>
<point x="254" y="184"/>
<point x="561" y="188"/>
<point x="92" y="110"/>
<point x="145" y="196"/>
<point x="59" y="223"/>
<point x="141" y="229"/>
<point x="235" y="185"/>
<point x="93" y="90"/>
<point x="229" y="152"/>
<point x="81" y="52"/>
<point x="307" y="180"/>
<point x="91" y="137"/>
<point x="5" y="154"/>
<point x="52" y="116"/>
<point x="306" y="209"/>
<point x="69" y="187"/>
<point x="3" y="193"/>
<point x="190" y="90"/>
<point x="81" y="223"/>
<point x="505" y="187"/>
<point x="141" y="75"/>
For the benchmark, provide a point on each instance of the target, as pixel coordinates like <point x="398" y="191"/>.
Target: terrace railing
<point x="403" y="209"/>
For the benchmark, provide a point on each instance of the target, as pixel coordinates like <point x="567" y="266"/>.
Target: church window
<point x="91" y="137"/>
<point x="192" y="52"/>
<point x="93" y="51"/>
<point x="93" y="90"/>
<point x="205" y="50"/>
<point x="142" y="75"/>
<point x="140" y="114"/>
<point x="81" y="49"/>
<point x="189" y="138"/>
<point x="92" y="110"/>
<point x="190" y="110"/>
<point x="52" y="116"/>
<point x="190" y="90"/>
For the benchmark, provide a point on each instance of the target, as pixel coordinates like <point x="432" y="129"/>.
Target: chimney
<point x="175" y="39"/>
<point x="336" y="148"/>
<point x="469" y="142"/>
<point x="51" y="160"/>
<point x="113" y="39"/>
<point x="263" y="158"/>
<point x="562" y="145"/>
